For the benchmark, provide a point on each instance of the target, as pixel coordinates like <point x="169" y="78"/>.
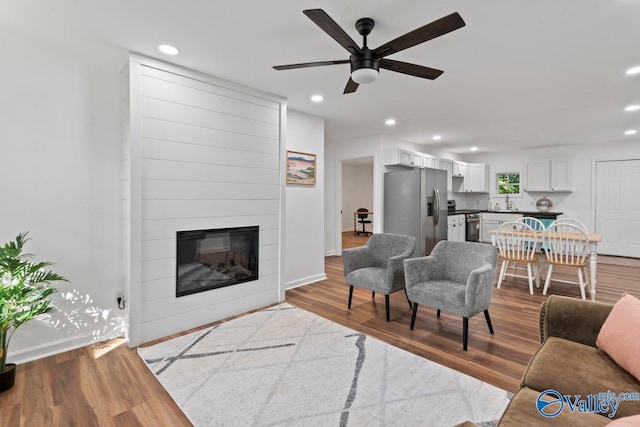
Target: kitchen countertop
<point x="536" y="214"/>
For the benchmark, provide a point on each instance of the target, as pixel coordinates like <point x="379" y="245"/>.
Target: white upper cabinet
<point x="537" y="176"/>
<point x="560" y="175"/>
<point x="478" y="174"/>
<point x="429" y="161"/>
<point x="548" y="175"/>
<point x="475" y="178"/>
<point x="399" y="156"/>
<point x="459" y="169"/>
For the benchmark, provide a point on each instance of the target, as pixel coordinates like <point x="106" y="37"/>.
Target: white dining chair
<point x="566" y="245"/>
<point x="534" y="223"/>
<point x="571" y="221"/>
<point x="517" y="243"/>
<point x="538" y="226"/>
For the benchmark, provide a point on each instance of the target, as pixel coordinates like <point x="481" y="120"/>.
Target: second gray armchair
<point x="457" y="277"/>
<point x="378" y="266"/>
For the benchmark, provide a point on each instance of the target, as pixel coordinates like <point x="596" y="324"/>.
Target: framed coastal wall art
<point x="301" y="168"/>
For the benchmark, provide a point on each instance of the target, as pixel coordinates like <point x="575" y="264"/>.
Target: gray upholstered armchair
<point x="457" y="277"/>
<point x="377" y="266"/>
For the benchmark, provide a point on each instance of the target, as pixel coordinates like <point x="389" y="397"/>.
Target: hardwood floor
<point x="108" y="384"/>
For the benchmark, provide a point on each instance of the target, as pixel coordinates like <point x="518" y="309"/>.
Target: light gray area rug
<point x="286" y="366"/>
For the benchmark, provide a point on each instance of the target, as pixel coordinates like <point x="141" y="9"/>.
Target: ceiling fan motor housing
<point x="366" y="60"/>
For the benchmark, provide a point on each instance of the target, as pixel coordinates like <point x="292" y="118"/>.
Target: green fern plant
<point x="24" y="290"/>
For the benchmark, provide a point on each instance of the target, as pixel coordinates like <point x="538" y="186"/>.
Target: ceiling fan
<point x="366" y="63"/>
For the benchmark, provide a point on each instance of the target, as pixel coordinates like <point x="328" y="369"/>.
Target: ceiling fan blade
<point x="411" y="69"/>
<point x="350" y="87"/>
<point x="310" y="64"/>
<point x="329" y="26"/>
<point x="430" y="31"/>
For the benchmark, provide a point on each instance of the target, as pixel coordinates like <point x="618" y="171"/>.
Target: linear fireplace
<point x="210" y="259"/>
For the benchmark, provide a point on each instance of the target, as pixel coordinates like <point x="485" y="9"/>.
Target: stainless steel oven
<point x="473" y="227"/>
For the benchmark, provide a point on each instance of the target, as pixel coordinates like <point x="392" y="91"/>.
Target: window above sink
<point x="508" y="184"/>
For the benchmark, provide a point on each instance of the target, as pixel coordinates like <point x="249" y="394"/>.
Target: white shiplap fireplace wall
<point x="199" y="153"/>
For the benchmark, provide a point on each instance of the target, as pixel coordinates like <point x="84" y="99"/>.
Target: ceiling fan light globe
<point x="364" y="75"/>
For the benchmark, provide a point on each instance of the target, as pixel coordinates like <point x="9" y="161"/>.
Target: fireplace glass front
<point x="210" y="259"/>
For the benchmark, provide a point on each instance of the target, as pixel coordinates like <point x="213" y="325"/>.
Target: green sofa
<point x="569" y="363"/>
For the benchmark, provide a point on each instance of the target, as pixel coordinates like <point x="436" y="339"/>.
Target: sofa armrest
<point x="572" y="319"/>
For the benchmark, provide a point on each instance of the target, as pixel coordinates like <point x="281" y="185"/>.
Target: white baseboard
<point x="330" y="253"/>
<point x="305" y="281"/>
<point x="56" y="347"/>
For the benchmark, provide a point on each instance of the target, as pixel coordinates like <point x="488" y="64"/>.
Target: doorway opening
<point x="357" y="190"/>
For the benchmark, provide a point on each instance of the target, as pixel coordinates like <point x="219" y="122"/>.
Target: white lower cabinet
<point x="493" y="220"/>
<point x="456" y="231"/>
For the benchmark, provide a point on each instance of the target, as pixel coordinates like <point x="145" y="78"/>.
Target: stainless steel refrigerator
<point x="415" y="204"/>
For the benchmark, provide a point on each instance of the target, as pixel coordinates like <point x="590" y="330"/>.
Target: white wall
<point x="203" y="154"/>
<point x="60" y="174"/>
<point x="357" y="192"/>
<point x="304" y="234"/>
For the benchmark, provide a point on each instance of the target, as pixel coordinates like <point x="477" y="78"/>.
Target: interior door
<point x="618" y="207"/>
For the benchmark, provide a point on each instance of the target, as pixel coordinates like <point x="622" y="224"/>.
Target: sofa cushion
<point x="522" y="412"/>
<point x="619" y="336"/>
<point x="572" y="368"/>
<point x="632" y="421"/>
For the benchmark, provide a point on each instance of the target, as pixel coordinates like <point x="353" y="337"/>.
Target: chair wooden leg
<point x="536" y="271"/>
<point x="547" y="282"/>
<point x="465" y="332"/>
<point x="530" y="277"/>
<point x="582" y="283"/>
<point x="386" y="305"/>
<point x="587" y="282"/>
<point x="350" y="296"/>
<point x="413" y="314"/>
<point x="488" y="319"/>
<point x="503" y="270"/>
<point x="438" y="313"/>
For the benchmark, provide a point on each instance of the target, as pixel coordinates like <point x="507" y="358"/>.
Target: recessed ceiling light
<point x="168" y="49"/>
<point x="437" y="137"/>
<point x="634" y="70"/>
<point x="317" y="98"/>
<point x="390" y="122"/>
<point x="634" y="107"/>
<point x="630" y="132"/>
<point x="473" y="148"/>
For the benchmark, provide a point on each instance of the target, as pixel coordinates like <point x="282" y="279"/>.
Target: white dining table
<point x="594" y="239"/>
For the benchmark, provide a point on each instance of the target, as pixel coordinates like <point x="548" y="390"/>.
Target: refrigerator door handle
<point x="436" y="198"/>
